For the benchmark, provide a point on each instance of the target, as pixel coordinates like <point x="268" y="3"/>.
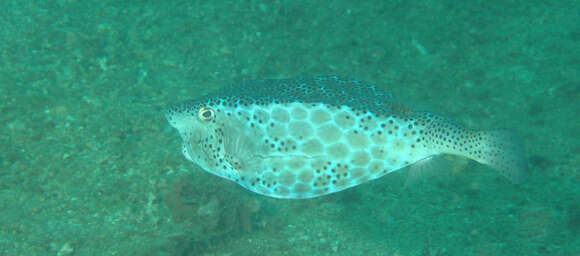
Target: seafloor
<point x="89" y="166"/>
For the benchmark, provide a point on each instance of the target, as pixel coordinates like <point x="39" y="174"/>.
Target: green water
<point x="89" y="166"/>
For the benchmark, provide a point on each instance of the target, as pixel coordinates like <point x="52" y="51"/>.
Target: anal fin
<point x="426" y="168"/>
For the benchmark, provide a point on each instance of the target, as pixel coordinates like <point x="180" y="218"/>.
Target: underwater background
<point x="89" y="165"/>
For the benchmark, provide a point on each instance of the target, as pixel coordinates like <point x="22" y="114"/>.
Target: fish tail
<point x="501" y="150"/>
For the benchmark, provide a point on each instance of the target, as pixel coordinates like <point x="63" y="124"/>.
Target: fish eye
<point x="206" y="114"/>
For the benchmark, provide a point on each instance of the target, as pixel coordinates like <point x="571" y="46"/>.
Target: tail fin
<point x="502" y="151"/>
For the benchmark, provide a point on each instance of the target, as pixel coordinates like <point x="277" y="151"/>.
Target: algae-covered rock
<point x="209" y="212"/>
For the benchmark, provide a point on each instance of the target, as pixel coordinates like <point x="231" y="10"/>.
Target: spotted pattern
<point x="309" y="137"/>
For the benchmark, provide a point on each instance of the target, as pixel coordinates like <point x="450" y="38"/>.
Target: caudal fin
<point x="500" y="150"/>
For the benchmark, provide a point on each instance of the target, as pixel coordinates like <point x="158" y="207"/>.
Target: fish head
<point x="213" y="139"/>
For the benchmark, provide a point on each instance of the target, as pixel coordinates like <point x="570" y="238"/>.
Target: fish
<point x="312" y="136"/>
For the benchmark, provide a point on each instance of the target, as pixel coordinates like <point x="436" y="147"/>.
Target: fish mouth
<point x="171" y="115"/>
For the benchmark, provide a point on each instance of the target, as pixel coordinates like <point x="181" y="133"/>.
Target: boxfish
<point x="312" y="136"/>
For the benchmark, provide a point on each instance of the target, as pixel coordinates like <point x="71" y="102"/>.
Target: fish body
<point x="308" y="137"/>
